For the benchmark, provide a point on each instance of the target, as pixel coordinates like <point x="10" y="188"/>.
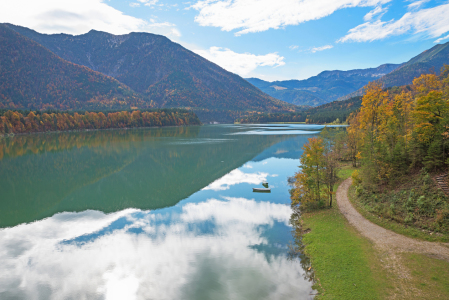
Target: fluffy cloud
<point x="236" y="177"/>
<point x="442" y="39"/>
<point x="432" y="22"/>
<point x="149" y="3"/>
<point x="151" y="255"/>
<point x="240" y="63"/>
<point x="260" y="15"/>
<point x="316" y="49"/>
<point x="78" y="17"/>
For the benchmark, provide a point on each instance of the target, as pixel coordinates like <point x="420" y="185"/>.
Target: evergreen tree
<point x="434" y="157"/>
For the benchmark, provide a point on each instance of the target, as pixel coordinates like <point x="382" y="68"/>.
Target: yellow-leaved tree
<point x="313" y="184"/>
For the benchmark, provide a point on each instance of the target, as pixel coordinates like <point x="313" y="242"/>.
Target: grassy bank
<point x="345" y="263"/>
<point x="428" y="275"/>
<point x="396" y="210"/>
<point x="387" y="223"/>
<point x="347" y="266"/>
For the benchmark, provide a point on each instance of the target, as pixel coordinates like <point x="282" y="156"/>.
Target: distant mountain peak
<point x="323" y="88"/>
<point x="430" y="60"/>
<point x="158" y="69"/>
<point x="33" y="77"/>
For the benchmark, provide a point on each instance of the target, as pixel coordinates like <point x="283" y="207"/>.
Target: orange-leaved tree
<point x="313" y="183"/>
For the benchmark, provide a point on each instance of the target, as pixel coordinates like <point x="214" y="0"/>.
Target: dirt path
<point x="385" y="239"/>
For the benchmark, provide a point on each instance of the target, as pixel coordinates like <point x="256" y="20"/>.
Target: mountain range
<point x="100" y="71"/>
<point x="323" y="88"/>
<point x="340" y="85"/>
<point x="33" y="77"/>
<point x="431" y="60"/>
<point x="151" y="69"/>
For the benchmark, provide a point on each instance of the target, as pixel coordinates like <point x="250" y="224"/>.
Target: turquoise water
<point x="150" y="214"/>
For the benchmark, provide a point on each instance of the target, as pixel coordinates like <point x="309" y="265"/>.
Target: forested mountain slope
<point x="323" y="88"/>
<point x="33" y="77"/>
<point x="336" y="111"/>
<point x="431" y="60"/>
<point x="164" y="71"/>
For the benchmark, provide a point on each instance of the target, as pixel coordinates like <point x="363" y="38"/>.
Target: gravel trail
<point x="383" y="238"/>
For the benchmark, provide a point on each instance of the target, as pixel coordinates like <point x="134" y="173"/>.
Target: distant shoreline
<point x="86" y="130"/>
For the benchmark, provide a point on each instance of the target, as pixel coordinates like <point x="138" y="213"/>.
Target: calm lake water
<point x="164" y="213"/>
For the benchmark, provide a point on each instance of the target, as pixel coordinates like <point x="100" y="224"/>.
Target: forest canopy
<point x="325" y="113"/>
<point x="37" y="121"/>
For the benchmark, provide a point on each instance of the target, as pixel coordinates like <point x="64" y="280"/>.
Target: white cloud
<point x="316" y="49"/>
<point x="240" y="63"/>
<point x="235" y="177"/>
<point x="293" y="47"/>
<point x="442" y="39"/>
<point x="432" y="22"/>
<point x="378" y="11"/>
<point x="175" y="32"/>
<point x="134" y="4"/>
<point x="236" y="210"/>
<point x="164" y="258"/>
<point x="149" y="3"/>
<point x="417" y="4"/>
<point x="260" y="15"/>
<point x="78" y="17"/>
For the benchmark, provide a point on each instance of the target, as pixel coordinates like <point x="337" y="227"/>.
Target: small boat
<point x="261" y="190"/>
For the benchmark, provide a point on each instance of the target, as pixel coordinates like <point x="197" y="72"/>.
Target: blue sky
<point x="268" y="39"/>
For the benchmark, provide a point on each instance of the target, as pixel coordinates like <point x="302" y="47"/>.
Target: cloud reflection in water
<point x="235" y="177"/>
<point x="197" y="251"/>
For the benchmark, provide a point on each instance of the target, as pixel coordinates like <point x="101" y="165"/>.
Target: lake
<point x="161" y="213"/>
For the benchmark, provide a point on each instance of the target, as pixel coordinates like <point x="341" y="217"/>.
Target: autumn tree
<point x="429" y="116"/>
<point x="401" y="129"/>
<point x="18" y="122"/>
<point x="313" y="184"/>
<point x="353" y="138"/>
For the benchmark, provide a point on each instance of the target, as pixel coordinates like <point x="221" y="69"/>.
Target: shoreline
<point x="86" y="130"/>
<point x="349" y="265"/>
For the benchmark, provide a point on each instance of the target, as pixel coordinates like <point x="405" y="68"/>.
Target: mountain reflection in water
<point x="145" y="214"/>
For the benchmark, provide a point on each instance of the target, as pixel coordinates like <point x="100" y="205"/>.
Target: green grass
<point x="344" y="262"/>
<point x="409" y="231"/>
<point x="413" y="206"/>
<point x="345" y="172"/>
<point x="429" y="275"/>
<point x="347" y="266"/>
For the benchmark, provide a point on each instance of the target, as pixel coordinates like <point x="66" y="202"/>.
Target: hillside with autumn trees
<point x="159" y="69"/>
<point x="398" y="142"/>
<point x="428" y="62"/>
<point x="402" y="130"/>
<point x="19" y="122"/>
<point x="336" y="111"/>
<point x="33" y="77"/>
